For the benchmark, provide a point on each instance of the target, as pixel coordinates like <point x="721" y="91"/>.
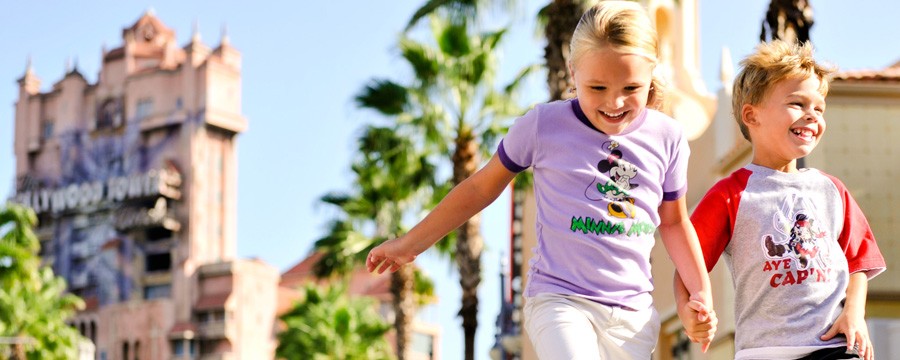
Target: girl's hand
<point x="390" y="255"/>
<point x="854" y="328"/>
<point x="699" y="323"/>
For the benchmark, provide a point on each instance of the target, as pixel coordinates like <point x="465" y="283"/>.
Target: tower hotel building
<point x="133" y="179"/>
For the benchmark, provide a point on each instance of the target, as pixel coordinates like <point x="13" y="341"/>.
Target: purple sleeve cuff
<point x="674" y="195"/>
<point x="510" y="165"/>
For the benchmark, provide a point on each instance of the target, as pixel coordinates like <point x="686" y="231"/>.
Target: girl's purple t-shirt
<point x="597" y="199"/>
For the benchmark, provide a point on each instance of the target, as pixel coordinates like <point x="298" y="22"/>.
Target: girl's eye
<point x="632" y="88"/>
<point x="598" y="88"/>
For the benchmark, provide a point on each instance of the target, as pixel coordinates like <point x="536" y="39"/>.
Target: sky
<point x="303" y="62"/>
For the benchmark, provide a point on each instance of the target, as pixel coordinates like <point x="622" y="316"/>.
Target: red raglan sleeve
<point x="856" y="238"/>
<point x="715" y="214"/>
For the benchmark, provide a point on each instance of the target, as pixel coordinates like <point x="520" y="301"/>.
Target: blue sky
<point x="303" y="62"/>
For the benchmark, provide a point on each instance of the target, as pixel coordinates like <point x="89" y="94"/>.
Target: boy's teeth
<point x="803" y="132"/>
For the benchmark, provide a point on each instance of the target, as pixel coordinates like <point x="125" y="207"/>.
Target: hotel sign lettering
<point x="114" y="190"/>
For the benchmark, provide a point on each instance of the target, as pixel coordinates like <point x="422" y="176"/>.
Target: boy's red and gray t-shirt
<point x="791" y="241"/>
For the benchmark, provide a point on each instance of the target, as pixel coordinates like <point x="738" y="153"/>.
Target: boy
<point x="799" y="249"/>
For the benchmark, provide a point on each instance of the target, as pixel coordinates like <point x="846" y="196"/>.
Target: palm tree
<point x="33" y="303"/>
<point x="18" y="245"/>
<point x="452" y="110"/>
<point x="559" y="19"/>
<point x="390" y="174"/>
<point x="788" y="20"/>
<point x="328" y="324"/>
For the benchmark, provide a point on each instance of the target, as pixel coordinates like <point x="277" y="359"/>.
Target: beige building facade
<point x="134" y="181"/>
<point x="858" y="148"/>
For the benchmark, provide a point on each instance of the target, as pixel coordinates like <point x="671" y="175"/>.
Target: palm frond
<point x="384" y="96"/>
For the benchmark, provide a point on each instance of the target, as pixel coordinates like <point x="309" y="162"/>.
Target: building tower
<point x="134" y="182"/>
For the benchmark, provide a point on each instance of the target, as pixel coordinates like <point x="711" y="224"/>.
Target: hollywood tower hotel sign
<point x="133" y="179"/>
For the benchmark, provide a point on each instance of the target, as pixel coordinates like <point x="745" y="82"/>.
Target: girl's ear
<point x="749" y="115"/>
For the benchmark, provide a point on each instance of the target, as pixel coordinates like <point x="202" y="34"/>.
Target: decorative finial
<point x="726" y="70"/>
<point x="225" y="39"/>
<point x="68" y="64"/>
<point x="150" y="11"/>
<point x="29" y="67"/>
<point x="195" y="37"/>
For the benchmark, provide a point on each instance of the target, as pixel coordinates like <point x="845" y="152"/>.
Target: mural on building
<point x="113" y="184"/>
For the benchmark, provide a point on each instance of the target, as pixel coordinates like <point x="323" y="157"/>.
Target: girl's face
<point x="787" y="124"/>
<point x="612" y="87"/>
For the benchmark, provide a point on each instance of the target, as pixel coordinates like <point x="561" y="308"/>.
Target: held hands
<point x="854" y="328"/>
<point x="699" y="323"/>
<point x="391" y="255"/>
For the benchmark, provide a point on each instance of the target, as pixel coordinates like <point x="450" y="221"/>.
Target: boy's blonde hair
<point x="770" y="63"/>
<point x="625" y="27"/>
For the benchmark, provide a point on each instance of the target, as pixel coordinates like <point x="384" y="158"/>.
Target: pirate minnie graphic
<point x="621" y="172"/>
<point x="801" y="243"/>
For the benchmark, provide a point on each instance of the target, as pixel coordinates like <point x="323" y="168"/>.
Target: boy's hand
<point x="854" y="328"/>
<point x="390" y="255"/>
<point x="699" y="323"/>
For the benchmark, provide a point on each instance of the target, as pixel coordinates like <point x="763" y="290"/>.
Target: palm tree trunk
<point x="469" y="243"/>
<point x="562" y="17"/>
<point x="788" y="20"/>
<point x="404" y="307"/>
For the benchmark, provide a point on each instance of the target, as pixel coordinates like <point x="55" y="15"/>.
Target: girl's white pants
<point x="565" y="327"/>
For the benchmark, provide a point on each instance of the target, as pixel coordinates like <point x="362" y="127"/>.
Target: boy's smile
<point x="612" y="87"/>
<point x="787" y="124"/>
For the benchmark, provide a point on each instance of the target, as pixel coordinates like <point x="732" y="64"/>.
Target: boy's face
<point x="612" y="87"/>
<point x="787" y="124"/>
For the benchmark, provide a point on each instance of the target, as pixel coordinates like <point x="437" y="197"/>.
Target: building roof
<point x="361" y="281"/>
<point x="212" y="301"/>
<point x="889" y="74"/>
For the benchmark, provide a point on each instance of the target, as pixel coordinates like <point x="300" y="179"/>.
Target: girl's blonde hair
<point x="623" y="26"/>
<point x="767" y="65"/>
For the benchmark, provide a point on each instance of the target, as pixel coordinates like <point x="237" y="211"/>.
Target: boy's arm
<point x="851" y="322"/>
<point x="464" y="201"/>
<point x="692" y="288"/>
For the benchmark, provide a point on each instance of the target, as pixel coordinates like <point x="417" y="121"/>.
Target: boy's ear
<point x="749" y="115"/>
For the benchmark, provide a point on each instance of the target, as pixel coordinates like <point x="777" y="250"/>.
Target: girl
<point x="608" y="173"/>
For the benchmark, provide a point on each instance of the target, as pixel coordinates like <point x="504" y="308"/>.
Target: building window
<point x="144" y="109"/>
<point x="46" y="130"/>
<point x="157" y="291"/>
<point x="179" y="103"/>
<point x="422" y="344"/>
<point x="109" y="114"/>
<point x="159" y="262"/>
<point x="181" y="347"/>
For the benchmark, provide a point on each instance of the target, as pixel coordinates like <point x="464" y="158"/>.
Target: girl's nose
<point x="617" y="102"/>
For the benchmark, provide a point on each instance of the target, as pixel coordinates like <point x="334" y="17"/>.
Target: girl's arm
<point x="464" y="201"/>
<point x="851" y="322"/>
<point x="692" y="287"/>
